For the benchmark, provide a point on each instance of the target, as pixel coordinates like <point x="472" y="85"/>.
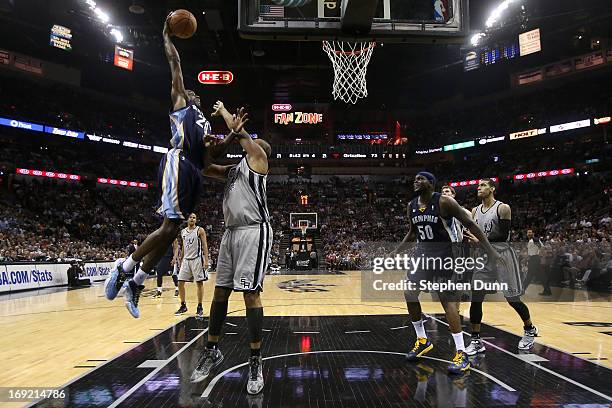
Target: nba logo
<point x="441" y="10"/>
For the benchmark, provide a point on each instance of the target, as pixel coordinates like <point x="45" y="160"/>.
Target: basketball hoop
<point x="350" y="62"/>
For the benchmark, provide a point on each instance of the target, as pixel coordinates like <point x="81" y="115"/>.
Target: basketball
<point x="291" y="3"/>
<point x="183" y="24"/>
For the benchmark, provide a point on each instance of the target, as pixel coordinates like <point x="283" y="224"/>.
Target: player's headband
<point x="428" y="176"/>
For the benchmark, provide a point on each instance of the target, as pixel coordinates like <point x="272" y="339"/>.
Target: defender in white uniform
<point x="494" y="217"/>
<point x="193" y="261"/>
<point x="244" y="254"/>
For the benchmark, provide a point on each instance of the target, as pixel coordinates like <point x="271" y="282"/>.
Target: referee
<point x="534" y="265"/>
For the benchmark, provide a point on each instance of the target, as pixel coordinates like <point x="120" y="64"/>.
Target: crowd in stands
<point x="358" y="219"/>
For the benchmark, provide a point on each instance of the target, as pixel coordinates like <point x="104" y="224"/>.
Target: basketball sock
<point x="419" y="328"/>
<point x="458" y="338"/>
<point x="140" y="277"/>
<point x="529" y="328"/>
<point x="159" y="289"/>
<point x="129" y="264"/>
<point x="521" y="309"/>
<point x="255" y="352"/>
<point x="255" y="323"/>
<point x="476" y="312"/>
<point x="211" y="345"/>
<point x="218" y="312"/>
<point x="175" y="280"/>
<point x="476" y="335"/>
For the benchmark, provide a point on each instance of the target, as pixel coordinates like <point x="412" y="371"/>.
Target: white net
<point x="350" y="62"/>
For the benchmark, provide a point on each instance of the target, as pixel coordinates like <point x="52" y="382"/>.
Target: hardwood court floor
<point x="50" y="339"/>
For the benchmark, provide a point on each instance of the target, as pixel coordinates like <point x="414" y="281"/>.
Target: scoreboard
<point x="61" y="37"/>
<point x="493" y="55"/>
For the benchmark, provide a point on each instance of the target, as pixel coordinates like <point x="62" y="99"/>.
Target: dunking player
<point x="429" y="217"/>
<point x="179" y="177"/>
<point x="193" y="262"/>
<point x="494" y="217"/>
<point x="244" y="253"/>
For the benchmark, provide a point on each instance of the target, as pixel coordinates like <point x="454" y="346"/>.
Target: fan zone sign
<point x="298" y="118"/>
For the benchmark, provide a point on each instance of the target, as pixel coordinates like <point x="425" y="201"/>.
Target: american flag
<point x="271" y="11"/>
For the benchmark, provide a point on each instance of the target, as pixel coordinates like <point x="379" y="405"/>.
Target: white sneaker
<point x="476" y="346"/>
<point x="256" y="381"/>
<point x="528" y="339"/>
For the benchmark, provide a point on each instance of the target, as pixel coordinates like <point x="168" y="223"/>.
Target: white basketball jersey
<point x="192" y="247"/>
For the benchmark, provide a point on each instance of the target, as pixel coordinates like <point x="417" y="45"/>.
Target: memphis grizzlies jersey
<point x="429" y="225"/>
<point x="192" y="247"/>
<point x="488" y="221"/>
<point x="245" y="199"/>
<point x="457" y="229"/>
<point x="189" y="127"/>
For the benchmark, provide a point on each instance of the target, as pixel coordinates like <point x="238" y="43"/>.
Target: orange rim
<point x="326" y="45"/>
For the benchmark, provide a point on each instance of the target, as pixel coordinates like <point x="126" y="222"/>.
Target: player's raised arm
<point x="257" y="157"/>
<point x="221" y="110"/>
<point x="178" y="93"/>
<point x="450" y="208"/>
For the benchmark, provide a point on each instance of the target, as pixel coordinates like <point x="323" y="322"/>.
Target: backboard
<point x="409" y="21"/>
<point x="303" y="219"/>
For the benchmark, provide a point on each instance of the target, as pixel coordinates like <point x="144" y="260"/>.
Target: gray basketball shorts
<point x="244" y="257"/>
<point x="507" y="270"/>
<point x="192" y="270"/>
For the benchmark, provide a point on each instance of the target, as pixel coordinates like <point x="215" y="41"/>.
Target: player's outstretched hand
<point x="239" y="120"/>
<point x="218" y="108"/>
<point x="471" y="237"/>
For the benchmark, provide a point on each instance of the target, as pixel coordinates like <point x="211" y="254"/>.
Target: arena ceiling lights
<point x="104" y="18"/>
<point x="494" y="18"/>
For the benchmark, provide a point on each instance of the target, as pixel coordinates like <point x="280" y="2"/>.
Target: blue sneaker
<point x="132" y="296"/>
<point x="421" y="347"/>
<point x="115" y="280"/>
<point x="460" y="365"/>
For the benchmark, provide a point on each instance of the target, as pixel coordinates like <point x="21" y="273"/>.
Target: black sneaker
<point x="200" y="312"/>
<point x="132" y="296"/>
<point x="421" y="347"/>
<point x="157" y="294"/>
<point x="182" y="310"/>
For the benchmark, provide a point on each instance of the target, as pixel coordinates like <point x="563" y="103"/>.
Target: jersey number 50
<point x="425" y="232"/>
